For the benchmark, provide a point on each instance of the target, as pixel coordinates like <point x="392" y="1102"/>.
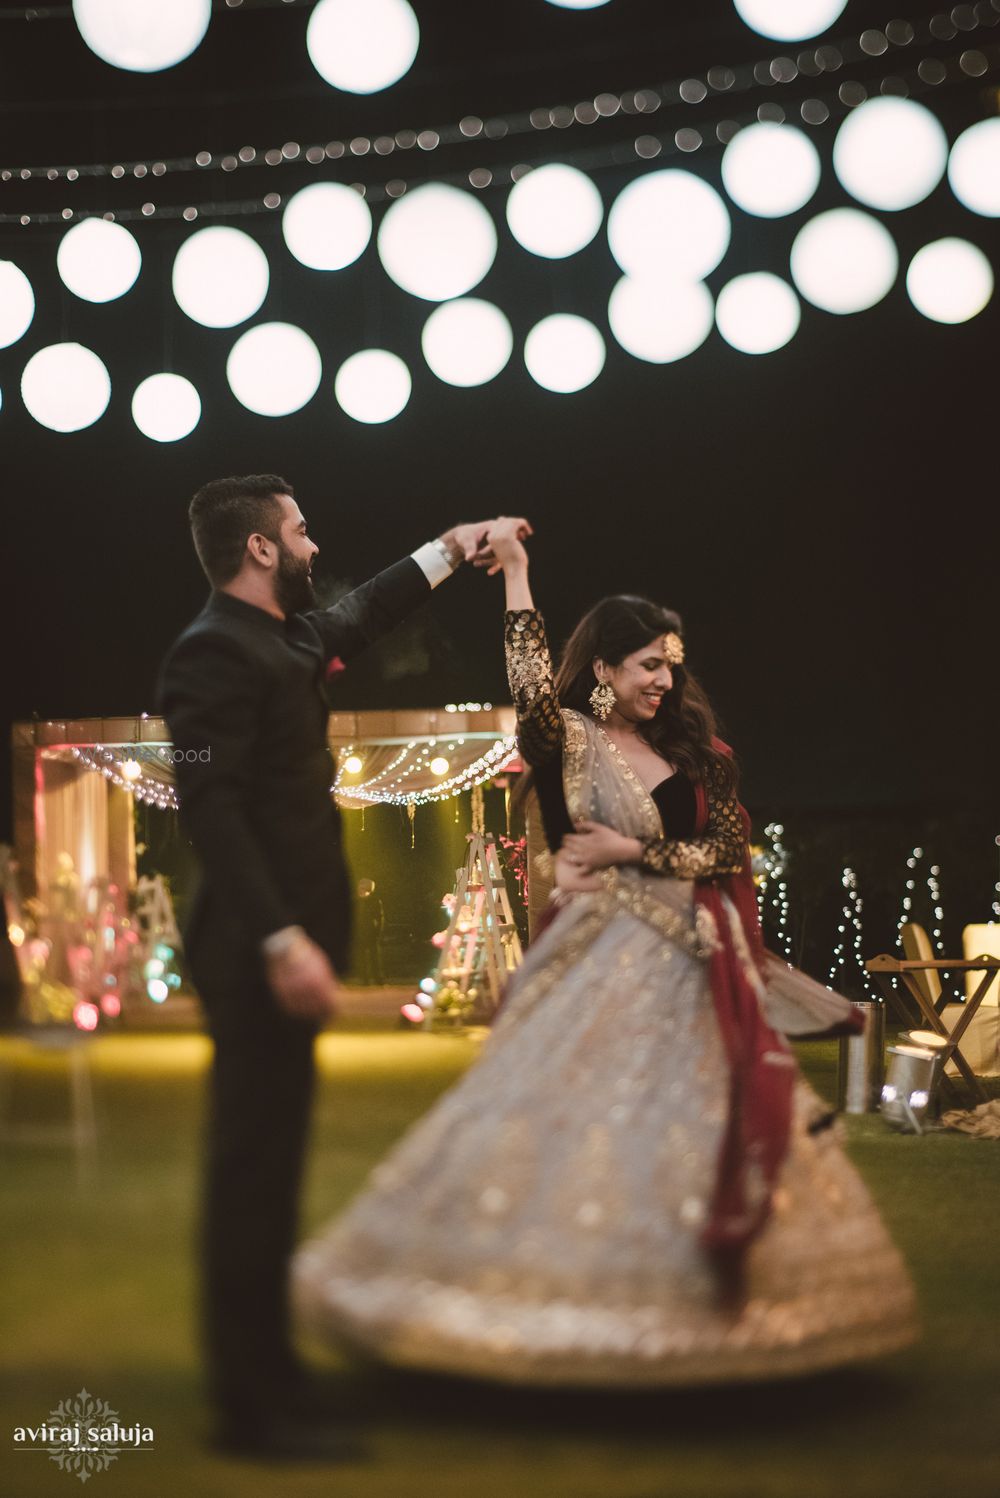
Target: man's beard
<point x="293" y="589"/>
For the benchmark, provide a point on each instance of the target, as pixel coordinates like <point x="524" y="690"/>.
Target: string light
<point x="851" y="932"/>
<point x="162" y="794"/>
<point x="503" y="752"/>
<point x="349" y="753"/>
<point x="65" y="12"/>
<point x="907" y="915"/>
<point x="772" y="882"/>
<point x="906" y="906"/>
<point x="716" y="132"/>
<point x="122" y="772"/>
<point x="685" y="93"/>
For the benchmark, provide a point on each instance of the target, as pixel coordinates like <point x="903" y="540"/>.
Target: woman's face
<point x="639" y="682"/>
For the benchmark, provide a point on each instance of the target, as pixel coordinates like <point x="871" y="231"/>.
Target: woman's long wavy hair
<point x="684" y="725"/>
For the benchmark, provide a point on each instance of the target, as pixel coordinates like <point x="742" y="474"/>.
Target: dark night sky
<point x="823" y="517"/>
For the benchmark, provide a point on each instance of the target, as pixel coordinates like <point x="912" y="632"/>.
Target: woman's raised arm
<point x="529" y="664"/>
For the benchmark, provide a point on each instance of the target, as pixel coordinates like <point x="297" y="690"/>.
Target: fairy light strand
<point x="777" y="71"/>
<point x="772" y="889"/>
<point x="850" y="946"/>
<point x="145" y="788"/>
<point x="65" y="12"/>
<point x="163" y="795"/>
<point x="489" y="764"/>
<point x="814" y="112"/>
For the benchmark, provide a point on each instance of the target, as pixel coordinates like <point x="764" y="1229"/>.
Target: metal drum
<point x="860" y="1072"/>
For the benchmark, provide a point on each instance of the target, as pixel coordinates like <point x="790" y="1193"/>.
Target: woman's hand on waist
<point x="593" y="846"/>
<point x="570" y="879"/>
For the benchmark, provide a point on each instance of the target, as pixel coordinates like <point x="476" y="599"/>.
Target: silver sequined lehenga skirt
<point x="541" y="1223"/>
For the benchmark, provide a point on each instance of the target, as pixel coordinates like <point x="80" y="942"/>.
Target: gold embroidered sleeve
<point x="720" y="850"/>
<point x="529" y="671"/>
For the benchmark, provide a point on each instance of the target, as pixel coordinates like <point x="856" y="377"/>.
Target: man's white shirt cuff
<point x="432" y="563"/>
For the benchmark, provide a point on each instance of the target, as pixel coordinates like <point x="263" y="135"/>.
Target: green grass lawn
<point x="98" y="1292"/>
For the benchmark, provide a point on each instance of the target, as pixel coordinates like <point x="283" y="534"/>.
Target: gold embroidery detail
<point x="719" y="851"/>
<point x="644" y="801"/>
<point x="529" y="672"/>
<point x="698" y="938"/>
<point x="574" y="749"/>
<point x="535" y="987"/>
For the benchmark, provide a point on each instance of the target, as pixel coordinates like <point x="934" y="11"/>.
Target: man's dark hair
<point x="226" y="512"/>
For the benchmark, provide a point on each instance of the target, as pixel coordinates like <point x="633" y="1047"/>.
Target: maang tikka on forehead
<point x="673" y="649"/>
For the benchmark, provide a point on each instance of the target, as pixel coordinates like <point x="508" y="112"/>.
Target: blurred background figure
<point x="369" y="923"/>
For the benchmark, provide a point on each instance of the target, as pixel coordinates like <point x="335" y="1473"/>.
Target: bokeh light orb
<point x="668" y="222"/>
<point x="890" y="153"/>
<point x="274" y="369"/>
<point x="86" y="1016"/>
<point x="564" y="353"/>
<point x="974" y="168"/>
<point x="17" y="303"/>
<point x="65" y="387"/>
<point x="165" y="408"/>
<point x="578" y="4"/>
<point x="362" y="46"/>
<point x="789" y="20"/>
<point x="98" y="260"/>
<point x="467" y="342"/>
<point x="437" y="242"/>
<point x="220" y="276"/>
<point x="554" y="211"/>
<point x="757" y="313"/>
<point x="950" y="281"/>
<point x="844" y="260"/>
<point x="327" y="225"/>
<point x="770" y="170"/>
<point x="142" y="36"/>
<point x="658" y="318"/>
<point x="373" y="386"/>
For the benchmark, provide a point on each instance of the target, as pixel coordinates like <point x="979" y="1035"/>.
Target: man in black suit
<point x="243" y="693"/>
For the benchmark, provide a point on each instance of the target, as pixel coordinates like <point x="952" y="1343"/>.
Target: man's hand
<point x="302" y="981"/>
<point x="471" y="539"/>
<point x="570" y="878"/>
<point x="594" y="846"/>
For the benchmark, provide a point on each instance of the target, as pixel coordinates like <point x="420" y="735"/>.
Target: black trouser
<point x="261" y="1092"/>
<point x="369" y="959"/>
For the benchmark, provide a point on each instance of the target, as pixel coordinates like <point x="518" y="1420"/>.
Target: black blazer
<point x="244" y="696"/>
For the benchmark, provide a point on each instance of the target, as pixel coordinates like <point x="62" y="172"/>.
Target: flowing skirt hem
<point x="462" y="1334"/>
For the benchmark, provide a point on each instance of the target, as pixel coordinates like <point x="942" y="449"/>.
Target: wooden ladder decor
<point x="481" y="946"/>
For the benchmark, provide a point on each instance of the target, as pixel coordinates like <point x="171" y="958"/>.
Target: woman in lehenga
<point x="633" y="1185"/>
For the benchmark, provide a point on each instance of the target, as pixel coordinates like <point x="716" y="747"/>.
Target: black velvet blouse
<point x="673" y="797"/>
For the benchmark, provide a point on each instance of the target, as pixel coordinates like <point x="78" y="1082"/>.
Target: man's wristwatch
<point x="453" y="555"/>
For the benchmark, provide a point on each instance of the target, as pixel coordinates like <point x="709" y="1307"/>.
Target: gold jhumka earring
<point x="602" y="699"/>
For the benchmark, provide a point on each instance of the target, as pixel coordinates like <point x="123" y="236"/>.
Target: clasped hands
<point x="591" y="848"/>
<point x="475" y="539"/>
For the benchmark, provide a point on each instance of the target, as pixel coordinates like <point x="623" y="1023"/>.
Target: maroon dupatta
<point x="761" y="1075"/>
